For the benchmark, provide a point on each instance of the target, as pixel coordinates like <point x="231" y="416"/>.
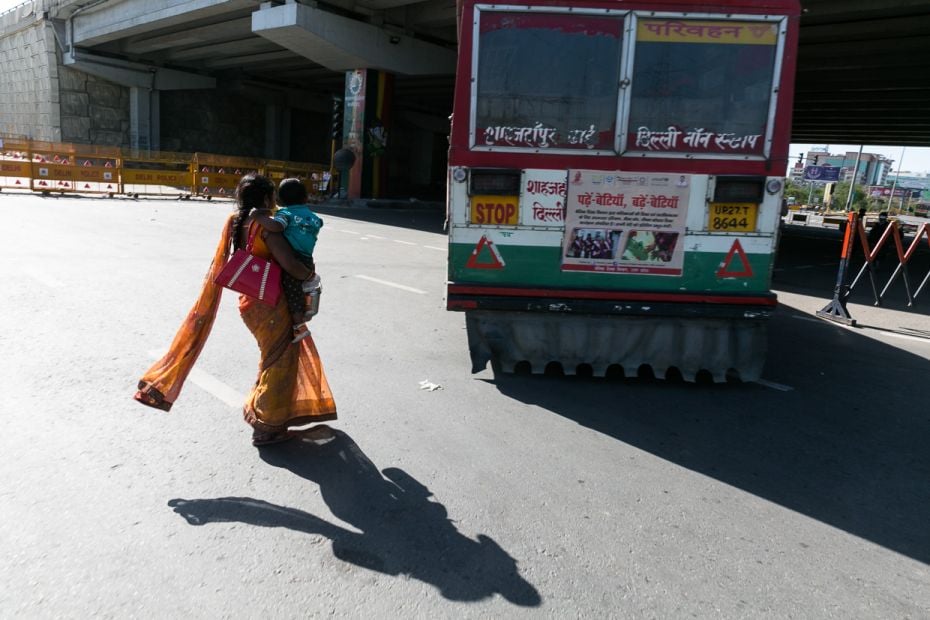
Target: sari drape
<point x="291" y="389"/>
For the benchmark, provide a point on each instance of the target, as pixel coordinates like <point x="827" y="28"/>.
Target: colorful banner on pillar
<point x="366" y="130"/>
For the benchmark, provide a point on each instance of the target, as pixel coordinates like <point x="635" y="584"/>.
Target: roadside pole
<point x="836" y="310"/>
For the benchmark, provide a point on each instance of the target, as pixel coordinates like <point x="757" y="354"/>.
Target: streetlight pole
<point x="852" y="185"/>
<point x="895" y="184"/>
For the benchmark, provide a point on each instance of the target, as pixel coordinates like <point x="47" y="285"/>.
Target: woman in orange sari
<point x="291" y="389"/>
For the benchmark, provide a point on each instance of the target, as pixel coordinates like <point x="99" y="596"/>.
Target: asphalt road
<point x="802" y="496"/>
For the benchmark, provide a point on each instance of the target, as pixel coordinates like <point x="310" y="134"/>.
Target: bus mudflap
<point x="718" y="348"/>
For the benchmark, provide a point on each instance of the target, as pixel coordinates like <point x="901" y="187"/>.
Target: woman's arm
<point x="267" y="222"/>
<point x="284" y="255"/>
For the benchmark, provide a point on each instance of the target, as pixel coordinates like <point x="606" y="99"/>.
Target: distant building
<point x="874" y="169"/>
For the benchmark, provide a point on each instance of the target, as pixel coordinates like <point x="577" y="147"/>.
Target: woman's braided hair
<point x="251" y="193"/>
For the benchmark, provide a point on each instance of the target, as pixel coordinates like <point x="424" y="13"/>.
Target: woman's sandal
<point x="267" y="438"/>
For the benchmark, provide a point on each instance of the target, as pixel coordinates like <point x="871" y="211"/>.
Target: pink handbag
<point x="252" y="275"/>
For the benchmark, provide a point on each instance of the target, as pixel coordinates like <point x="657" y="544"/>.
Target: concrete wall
<point x="212" y="121"/>
<point x="29" y="99"/>
<point x="310" y="138"/>
<point x="43" y="100"/>
<point x="93" y="111"/>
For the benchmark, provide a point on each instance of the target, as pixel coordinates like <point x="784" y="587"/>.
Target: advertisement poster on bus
<point x="629" y="223"/>
<point x="543" y="198"/>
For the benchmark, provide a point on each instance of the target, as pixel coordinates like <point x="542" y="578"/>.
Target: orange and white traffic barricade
<point x="276" y="170"/>
<point x="836" y="309"/>
<point x="52" y="167"/>
<point x="315" y="177"/>
<point x="157" y="173"/>
<point x="15" y="166"/>
<point x="96" y="169"/>
<point x="216" y="176"/>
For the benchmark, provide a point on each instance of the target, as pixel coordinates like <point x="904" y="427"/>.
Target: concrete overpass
<point x="258" y="78"/>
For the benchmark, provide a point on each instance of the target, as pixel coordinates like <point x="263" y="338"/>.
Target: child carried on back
<point x="300" y="226"/>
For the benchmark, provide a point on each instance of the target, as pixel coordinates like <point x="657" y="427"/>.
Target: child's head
<point x="292" y="192"/>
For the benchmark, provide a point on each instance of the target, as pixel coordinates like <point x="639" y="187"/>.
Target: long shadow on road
<point x="847" y="446"/>
<point x="403" y="532"/>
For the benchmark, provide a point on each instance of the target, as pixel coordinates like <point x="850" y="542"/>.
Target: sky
<point x="916" y="159"/>
<point x="8" y="4"/>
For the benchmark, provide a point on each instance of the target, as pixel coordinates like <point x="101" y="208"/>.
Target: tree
<point x="802" y="191"/>
<point x="841" y="193"/>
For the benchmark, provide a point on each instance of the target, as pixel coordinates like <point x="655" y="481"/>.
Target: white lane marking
<point x="906" y="336"/>
<point x="393" y="284"/>
<point x="862" y="328"/>
<point x="363" y="238"/>
<point x="433" y="247"/>
<point x="774" y="386"/>
<point x="404" y="242"/>
<point x="351" y="232"/>
<point x="210" y="384"/>
<point x="43" y="278"/>
<point x="375" y="236"/>
<point x="217" y="388"/>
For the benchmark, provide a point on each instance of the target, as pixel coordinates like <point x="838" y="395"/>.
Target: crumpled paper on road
<point x="425" y="384"/>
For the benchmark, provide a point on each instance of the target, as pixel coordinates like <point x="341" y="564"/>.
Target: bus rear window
<point x="547" y="81"/>
<point x="702" y="86"/>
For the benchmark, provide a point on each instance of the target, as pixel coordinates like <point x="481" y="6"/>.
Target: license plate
<point x="732" y="217"/>
<point x="495" y="210"/>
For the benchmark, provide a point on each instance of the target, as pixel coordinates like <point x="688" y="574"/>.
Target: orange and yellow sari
<point x="291" y="389"/>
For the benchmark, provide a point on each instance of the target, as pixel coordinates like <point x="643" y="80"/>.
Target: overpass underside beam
<point x="344" y="44"/>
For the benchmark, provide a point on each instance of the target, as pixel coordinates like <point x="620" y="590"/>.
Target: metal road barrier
<point x="15" y="164"/>
<point x="836" y="310"/>
<point x="157" y="173"/>
<point x="315" y="177"/>
<point x="218" y="175"/>
<point x="63" y="167"/>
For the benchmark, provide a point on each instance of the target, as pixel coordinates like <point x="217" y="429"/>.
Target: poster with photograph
<point x="632" y="223"/>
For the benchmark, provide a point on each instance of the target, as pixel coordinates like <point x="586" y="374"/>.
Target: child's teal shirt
<point x="301" y="227"/>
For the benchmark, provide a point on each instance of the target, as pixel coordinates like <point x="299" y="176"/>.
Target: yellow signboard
<point x="700" y="31"/>
<point x="156" y="177"/>
<point x="14" y="169"/>
<point x="495" y="210"/>
<point x="94" y="173"/>
<point x="52" y="172"/>
<point x="732" y="217"/>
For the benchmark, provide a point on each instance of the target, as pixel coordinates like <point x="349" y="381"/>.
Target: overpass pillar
<point x="277" y="131"/>
<point x="367" y="116"/>
<point x="144" y="129"/>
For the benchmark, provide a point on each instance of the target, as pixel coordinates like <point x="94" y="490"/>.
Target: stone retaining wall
<point x="211" y="121"/>
<point x="29" y="99"/>
<point x="93" y="111"/>
<point x="43" y="100"/>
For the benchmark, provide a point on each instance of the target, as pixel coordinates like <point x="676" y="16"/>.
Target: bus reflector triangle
<point x="726" y="271"/>
<point x="479" y="261"/>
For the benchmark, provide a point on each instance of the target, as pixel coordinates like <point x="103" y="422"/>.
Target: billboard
<point x="878" y="191"/>
<point x="821" y="173"/>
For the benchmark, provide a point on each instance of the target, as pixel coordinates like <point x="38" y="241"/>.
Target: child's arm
<point x="267" y="222"/>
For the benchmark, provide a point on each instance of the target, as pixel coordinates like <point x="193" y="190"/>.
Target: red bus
<point x="615" y="183"/>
